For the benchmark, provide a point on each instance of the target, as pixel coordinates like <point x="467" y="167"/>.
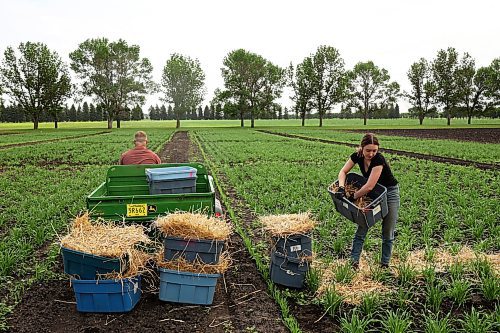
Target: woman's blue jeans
<point x="388" y="227"/>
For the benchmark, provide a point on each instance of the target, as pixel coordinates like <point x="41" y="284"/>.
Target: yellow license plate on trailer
<point x="137" y="210"/>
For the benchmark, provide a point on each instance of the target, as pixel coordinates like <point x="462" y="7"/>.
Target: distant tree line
<point x="117" y="80"/>
<point x="14" y="113"/>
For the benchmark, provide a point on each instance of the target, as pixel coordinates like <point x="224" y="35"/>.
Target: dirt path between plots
<point x="31" y="143"/>
<point x="241" y="301"/>
<point x="482" y="135"/>
<point x="434" y="158"/>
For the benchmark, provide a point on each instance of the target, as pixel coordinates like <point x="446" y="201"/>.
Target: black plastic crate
<point x="186" y="185"/>
<point x="295" y="246"/>
<point x="376" y="210"/>
<point x="206" y="250"/>
<point x="287" y="271"/>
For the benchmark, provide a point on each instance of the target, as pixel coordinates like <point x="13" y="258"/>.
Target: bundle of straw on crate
<point x="193" y="226"/>
<point x="288" y="224"/>
<point x="108" y="240"/>
<point x="181" y="265"/>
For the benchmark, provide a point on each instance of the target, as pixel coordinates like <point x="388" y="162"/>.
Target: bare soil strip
<point x="241" y="301"/>
<point x="482" y="135"/>
<point x="30" y="143"/>
<point x="434" y="158"/>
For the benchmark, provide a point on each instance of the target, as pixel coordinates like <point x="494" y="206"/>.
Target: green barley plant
<point x="455" y="248"/>
<point x="452" y="234"/>
<point x="459" y="291"/>
<point x="435" y="296"/>
<point x="404" y="297"/>
<point x="380" y="274"/>
<point x="430" y="253"/>
<point x="429" y="274"/>
<point x="490" y="287"/>
<point x="355" y="323"/>
<point x="396" y="322"/>
<point x="344" y="273"/>
<point x="477" y="322"/>
<point x="406" y="274"/>
<point x="433" y="324"/>
<point x="339" y="245"/>
<point x="332" y="301"/>
<point x="370" y="303"/>
<point x="481" y="267"/>
<point x="457" y="270"/>
<point x="313" y="279"/>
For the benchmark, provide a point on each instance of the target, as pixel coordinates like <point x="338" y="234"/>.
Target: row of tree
<point x="14" y="113"/>
<point x="118" y="79"/>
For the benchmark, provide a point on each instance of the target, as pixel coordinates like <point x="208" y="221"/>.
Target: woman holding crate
<point x="374" y="167"/>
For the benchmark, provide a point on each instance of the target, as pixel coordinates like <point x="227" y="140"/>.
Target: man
<point x="140" y="154"/>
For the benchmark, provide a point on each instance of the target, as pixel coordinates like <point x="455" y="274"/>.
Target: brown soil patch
<point x="176" y="150"/>
<point x="482" y="135"/>
<point x="434" y="158"/>
<point x="241" y="300"/>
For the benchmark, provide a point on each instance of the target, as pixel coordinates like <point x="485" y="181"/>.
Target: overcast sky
<point x="393" y="34"/>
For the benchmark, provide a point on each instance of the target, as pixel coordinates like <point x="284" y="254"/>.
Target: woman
<point x="374" y="167"/>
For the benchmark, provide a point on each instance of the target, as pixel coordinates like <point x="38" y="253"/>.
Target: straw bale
<point x="193" y="226"/>
<point x="288" y="224"/>
<point x="103" y="239"/>
<point x="182" y="265"/>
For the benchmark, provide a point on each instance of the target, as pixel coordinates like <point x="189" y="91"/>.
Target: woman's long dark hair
<point x="368" y="139"/>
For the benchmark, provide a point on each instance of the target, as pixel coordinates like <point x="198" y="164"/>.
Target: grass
<point x="334" y="123"/>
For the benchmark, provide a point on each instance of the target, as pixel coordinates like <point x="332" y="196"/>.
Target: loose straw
<point x="193" y="226"/>
<point x="289" y="224"/>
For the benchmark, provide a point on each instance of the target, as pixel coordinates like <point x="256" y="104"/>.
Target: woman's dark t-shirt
<point x="386" y="178"/>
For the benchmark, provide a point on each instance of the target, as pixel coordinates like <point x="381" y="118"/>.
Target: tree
<point x="493" y="85"/>
<point x="207" y="113"/>
<point x="137" y="113"/>
<point x="328" y="80"/>
<point x="85" y="115"/>
<point x="370" y="86"/>
<point x="163" y="112"/>
<point x="183" y="84"/>
<point x="114" y="74"/>
<point x="302" y="90"/>
<point x="251" y="81"/>
<point x="444" y="70"/>
<point x="38" y="80"/>
<point x="472" y="86"/>
<point x="423" y="93"/>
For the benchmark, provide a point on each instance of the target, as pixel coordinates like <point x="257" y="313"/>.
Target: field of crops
<point x="444" y="275"/>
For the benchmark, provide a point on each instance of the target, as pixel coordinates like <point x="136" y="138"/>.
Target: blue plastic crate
<point x="287" y="271"/>
<point x="187" y="287"/>
<point x="86" y="266"/>
<point x="107" y="295"/>
<point x="205" y="250"/>
<point x="171" y="173"/>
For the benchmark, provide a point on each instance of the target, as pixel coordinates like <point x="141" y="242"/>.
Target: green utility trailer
<point x="124" y="196"/>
